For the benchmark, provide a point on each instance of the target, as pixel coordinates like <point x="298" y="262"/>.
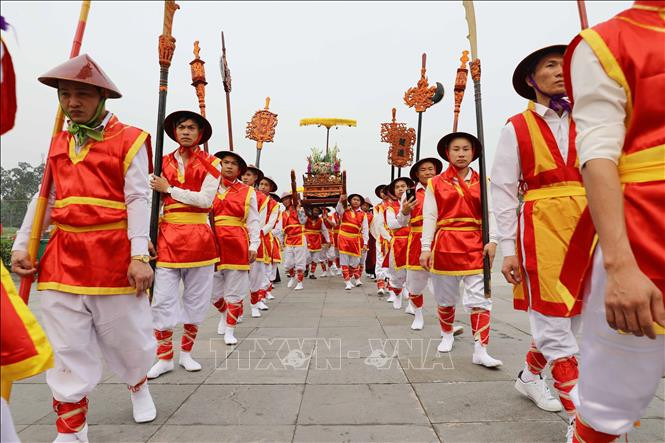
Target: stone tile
<point x="179" y="376"/>
<point x="370" y="332"/>
<point x="330" y="371"/>
<point x="365" y="433"/>
<point x="96" y="433"/>
<point x="360" y="404"/>
<point x="352" y="347"/>
<point x="292" y="332"/>
<point x="260" y="371"/>
<point x="656" y="409"/>
<point x="471" y="402"/>
<point x="277" y="320"/>
<point x="338" y="322"/>
<point x="511" y="431"/>
<point x="649" y="431"/>
<point x="30" y="403"/>
<point x="240" y="405"/>
<point x="230" y="433"/>
<point x="257" y="346"/>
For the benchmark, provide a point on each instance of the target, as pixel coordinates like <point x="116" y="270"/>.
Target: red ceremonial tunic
<point x="276" y="251"/>
<point x="350" y="239"/>
<point x="385" y="244"/>
<point x="314" y="234"/>
<point x="185" y="237"/>
<point x="416" y="232"/>
<point x="458" y="243"/>
<point x="630" y="49"/>
<point x="399" y="244"/>
<point x="89" y="252"/>
<point x="294" y="231"/>
<point x="262" y="202"/>
<point x="267" y="240"/>
<point x="554" y="199"/>
<point x="231" y="209"/>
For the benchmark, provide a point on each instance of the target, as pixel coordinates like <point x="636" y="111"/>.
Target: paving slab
<point x="330" y="371"/>
<point x="365" y="433"/>
<point x="230" y="433"/>
<point x="110" y="433"/>
<point x="259" y="371"/>
<point x="500" y="432"/>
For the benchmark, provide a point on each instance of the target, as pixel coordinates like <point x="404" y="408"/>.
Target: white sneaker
<point x="410" y="309"/>
<point x="348" y="286"/>
<point x="381" y="291"/>
<point x="446" y="344"/>
<point x="339" y="271"/>
<point x="458" y="330"/>
<point x="74" y="437"/>
<point x="397" y="304"/>
<point x="229" y="338"/>
<point x="187" y="362"/>
<point x="539" y="393"/>
<point x="159" y="368"/>
<point x="391" y="297"/>
<point x="481" y="357"/>
<point x="255" y="312"/>
<point x="291" y="283"/>
<point x="359" y="283"/>
<point x="221" y="326"/>
<point x="269" y="296"/>
<point x="143" y="408"/>
<point x="241" y="318"/>
<point x="418" y="321"/>
<point x="571" y="430"/>
<point x="299" y="287"/>
<point x="324" y="274"/>
<point x="262" y="306"/>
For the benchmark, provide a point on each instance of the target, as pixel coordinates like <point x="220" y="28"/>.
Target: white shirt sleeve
<point x="278" y="230"/>
<point x="137" y="199"/>
<point x="599" y="109"/>
<point x="263" y="212"/>
<point x="365" y="231"/>
<point x="403" y="220"/>
<point x="23" y="234"/>
<point x="202" y="198"/>
<point x="324" y="231"/>
<point x="504" y="188"/>
<point x="491" y="218"/>
<point x="302" y="217"/>
<point x="253" y="223"/>
<point x="430" y="215"/>
<point x="271" y="220"/>
<point x="340" y="209"/>
<point x="391" y="219"/>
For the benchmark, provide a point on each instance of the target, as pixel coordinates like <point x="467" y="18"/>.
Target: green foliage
<point x="6" y="249"/>
<point x="17" y="186"/>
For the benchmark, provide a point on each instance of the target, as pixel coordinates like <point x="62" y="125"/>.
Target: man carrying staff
<point x="99" y="202"/>
<point x="411" y="215"/>
<point x="331" y="220"/>
<point x="237" y="230"/>
<point x="368" y="260"/>
<point x="291" y="229"/>
<point x="252" y="177"/>
<point x="452" y="244"/>
<point x="268" y="186"/>
<point x="382" y="239"/>
<point x="536" y="160"/>
<point x="317" y="236"/>
<point x="614" y="74"/>
<point x="353" y="237"/>
<point x="186" y="249"/>
<point x="400" y="239"/>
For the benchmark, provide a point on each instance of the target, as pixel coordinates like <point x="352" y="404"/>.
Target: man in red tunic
<point x="452" y="246"/>
<point x="383" y="238"/>
<point x="399" y="242"/>
<point x="268" y="186"/>
<point x="186" y="250"/>
<point x="291" y="232"/>
<point x="353" y="237"/>
<point x="94" y="273"/>
<point x="368" y="260"/>
<point x="615" y="74"/>
<point x="238" y="234"/>
<point x="317" y="236"/>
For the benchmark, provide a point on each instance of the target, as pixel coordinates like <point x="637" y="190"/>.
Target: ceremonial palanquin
<point x="323" y="182"/>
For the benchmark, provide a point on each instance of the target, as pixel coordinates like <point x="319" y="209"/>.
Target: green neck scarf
<point x="82" y="130"/>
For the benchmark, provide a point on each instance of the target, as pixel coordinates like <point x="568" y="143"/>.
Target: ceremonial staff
<point x="460" y="86"/>
<point x="261" y="129"/>
<point x="47" y="180"/>
<point x="226" y="80"/>
<point x="475" y="75"/>
<point x="199" y="82"/>
<point x="401" y="140"/>
<point x="581" y="8"/>
<point x="166" y="48"/>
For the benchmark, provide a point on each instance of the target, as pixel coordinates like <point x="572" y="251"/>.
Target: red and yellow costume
<point x="349" y="240"/>
<point x="314" y="234"/>
<point x="415" y="233"/>
<point x="399" y="242"/>
<point x="231" y="210"/>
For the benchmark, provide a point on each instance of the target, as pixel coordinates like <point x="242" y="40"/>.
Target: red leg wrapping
<point x="312" y="267"/>
<point x="586" y="434"/>
<point x="301" y="275"/>
<point x="262" y="294"/>
<point x="254" y="297"/>
<point x="220" y="305"/>
<point x="565" y="373"/>
<point x="233" y="312"/>
<point x="164" y="344"/>
<point x="337" y="262"/>
<point x="381" y="284"/>
<point x="323" y="266"/>
<point x="417" y="300"/>
<point x="480" y="326"/>
<point x="357" y="272"/>
<point x="346" y="273"/>
<point x="137" y="386"/>
<point x="188" y="337"/>
<point x="446" y="318"/>
<point x="291" y="272"/>
<point x="535" y="359"/>
<point x="71" y="416"/>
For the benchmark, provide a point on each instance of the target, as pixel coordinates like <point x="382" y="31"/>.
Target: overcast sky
<point x="314" y="59"/>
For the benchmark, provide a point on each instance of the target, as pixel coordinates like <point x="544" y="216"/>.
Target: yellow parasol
<point x="327" y="123"/>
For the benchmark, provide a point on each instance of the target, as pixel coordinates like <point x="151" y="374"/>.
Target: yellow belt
<point x="105" y="227"/>
<point x="229" y="220"/>
<point x="460" y="228"/>
<point x="348" y="234"/>
<point x="310" y="232"/>
<point x="553" y="192"/>
<point x="643" y="166"/>
<point x="186" y="218"/>
<point x="400" y="236"/>
<point x="447" y="221"/>
<point x="416" y="229"/>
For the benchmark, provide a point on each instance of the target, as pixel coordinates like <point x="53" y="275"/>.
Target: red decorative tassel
<point x="535" y="359"/>
<point x="164" y="344"/>
<point x="71" y="416"/>
<point x="586" y="434"/>
<point x="233" y="312"/>
<point x="480" y="326"/>
<point x="446" y="318"/>
<point x="188" y="337"/>
<point x="220" y="305"/>
<point x="565" y="373"/>
<point x="417" y="300"/>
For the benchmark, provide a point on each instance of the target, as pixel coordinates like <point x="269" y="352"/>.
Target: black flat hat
<point x="391" y="187"/>
<point x="171" y="120"/>
<point x="414" y="169"/>
<point x="442" y="146"/>
<point x="526" y="67"/>
<point x="241" y="161"/>
<point x="362" y="199"/>
<point x="378" y="189"/>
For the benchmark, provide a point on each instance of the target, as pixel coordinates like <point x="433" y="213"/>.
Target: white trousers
<point x="447" y="293"/>
<point x="416" y="281"/>
<point x="554" y="336"/>
<point x="381" y="272"/>
<point x="348" y="260"/>
<point x="85" y="330"/>
<point x="257" y="273"/>
<point x="316" y="257"/>
<point x="295" y="257"/>
<point x="397" y="276"/>
<point x="267" y="274"/>
<point x="231" y="284"/>
<point x="619" y="373"/>
<point x="167" y="308"/>
<point x="273" y="272"/>
<point x="332" y="253"/>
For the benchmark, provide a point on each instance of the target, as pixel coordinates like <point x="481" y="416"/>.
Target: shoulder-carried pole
<point x="47" y="179"/>
<point x="226" y="80"/>
<point x="581" y="8"/>
<point x="166" y="48"/>
<point x="199" y="82"/>
<point x="475" y="75"/>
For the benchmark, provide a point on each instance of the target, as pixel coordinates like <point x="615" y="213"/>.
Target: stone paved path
<point x="325" y="364"/>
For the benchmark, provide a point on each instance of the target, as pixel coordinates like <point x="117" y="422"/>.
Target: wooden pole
<point x="226" y="80"/>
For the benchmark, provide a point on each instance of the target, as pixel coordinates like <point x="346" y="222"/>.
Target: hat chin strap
<point x="82" y="130"/>
<point x="557" y="101"/>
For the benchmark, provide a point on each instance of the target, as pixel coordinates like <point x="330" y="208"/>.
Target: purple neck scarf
<point x="557" y="101"/>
